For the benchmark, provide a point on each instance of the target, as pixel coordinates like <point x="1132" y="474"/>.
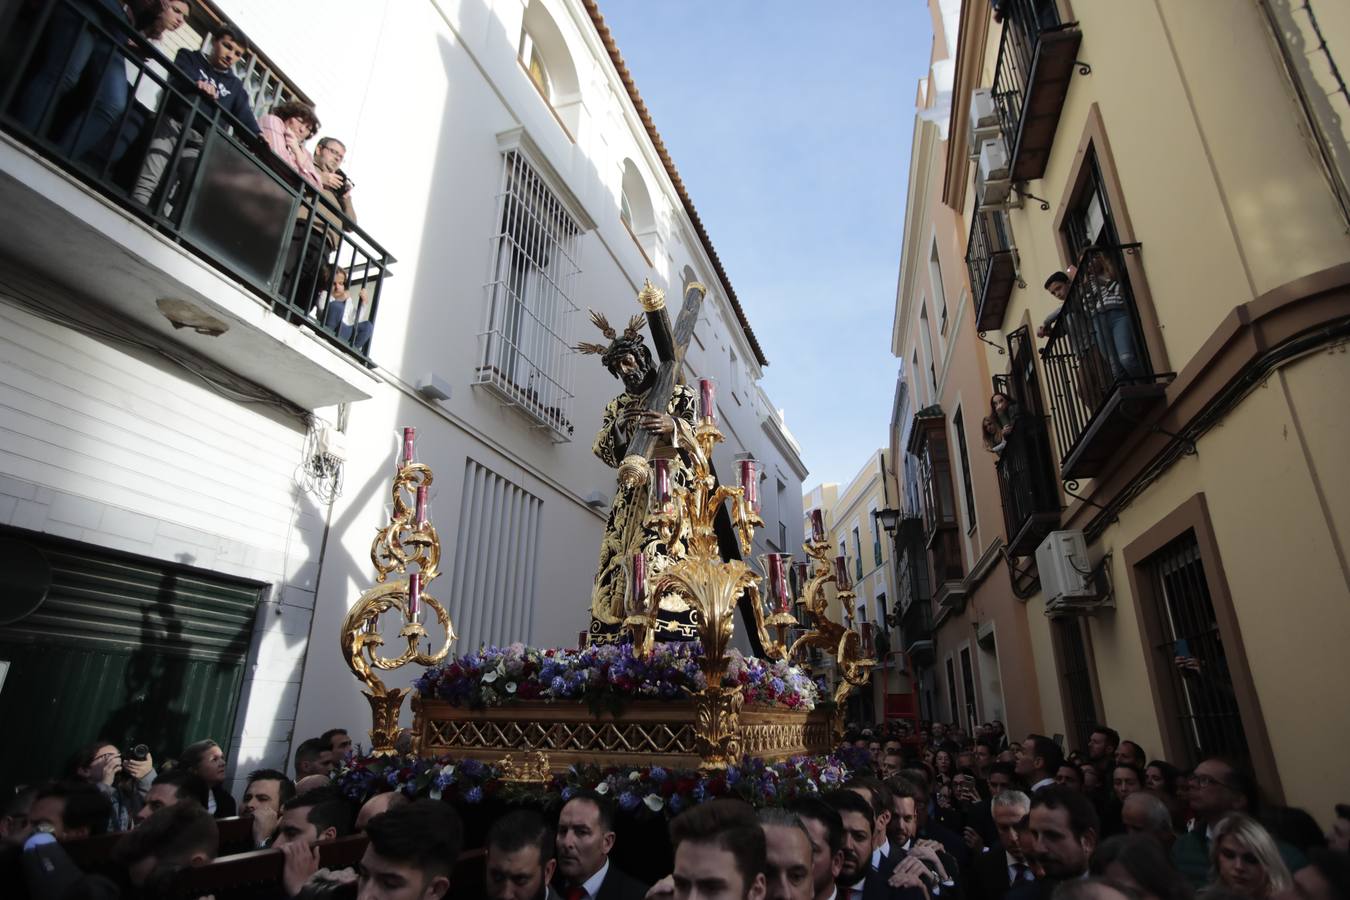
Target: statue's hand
<point x="657" y="423"/>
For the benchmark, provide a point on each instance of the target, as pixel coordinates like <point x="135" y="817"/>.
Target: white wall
<point x="115" y="447"/>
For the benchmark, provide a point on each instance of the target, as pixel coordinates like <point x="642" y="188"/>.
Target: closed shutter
<point x="123" y="648"/>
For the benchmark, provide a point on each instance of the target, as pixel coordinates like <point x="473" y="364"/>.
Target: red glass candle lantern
<point x="841" y="580"/>
<point x="749" y="480"/>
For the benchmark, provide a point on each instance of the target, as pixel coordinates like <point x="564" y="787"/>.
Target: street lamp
<point x="889" y="519"/>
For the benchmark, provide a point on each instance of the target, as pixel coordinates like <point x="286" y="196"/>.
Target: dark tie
<point x="575" y="892"/>
<point x="1019" y="873"/>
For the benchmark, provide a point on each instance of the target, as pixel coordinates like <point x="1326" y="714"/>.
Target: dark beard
<point x="638" y="382"/>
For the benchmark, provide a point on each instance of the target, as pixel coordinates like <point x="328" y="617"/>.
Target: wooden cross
<point x="671" y="344"/>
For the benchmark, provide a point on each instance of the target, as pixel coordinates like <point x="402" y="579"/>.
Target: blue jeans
<point x="71" y="47"/>
<point x="1115" y="339"/>
<point x="356" y="336"/>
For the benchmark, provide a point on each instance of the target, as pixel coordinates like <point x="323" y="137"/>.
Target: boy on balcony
<point x="213" y="75"/>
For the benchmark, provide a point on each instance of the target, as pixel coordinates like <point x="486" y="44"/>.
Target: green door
<point x="128" y="649"/>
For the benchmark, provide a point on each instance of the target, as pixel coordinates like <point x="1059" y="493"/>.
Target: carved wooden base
<point x="647" y="733"/>
<point x="384" y="711"/>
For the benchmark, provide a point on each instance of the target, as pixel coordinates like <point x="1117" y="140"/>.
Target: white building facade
<point x="503" y="157"/>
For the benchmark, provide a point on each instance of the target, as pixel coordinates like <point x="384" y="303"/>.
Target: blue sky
<point x="790" y="122"/>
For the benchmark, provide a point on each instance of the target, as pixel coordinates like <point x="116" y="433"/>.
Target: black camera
<point x="139" y="753"/>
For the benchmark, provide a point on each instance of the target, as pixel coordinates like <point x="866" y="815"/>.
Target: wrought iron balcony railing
<point x="1025" y="464"/>
<point x="100" y="101"/>
<point x="990" y="259"/>
<point x="1101" y="379"/>
<point x="1036" y="57"/>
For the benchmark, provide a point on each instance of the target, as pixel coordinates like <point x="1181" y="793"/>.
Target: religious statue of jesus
<point x="671" y="424"/>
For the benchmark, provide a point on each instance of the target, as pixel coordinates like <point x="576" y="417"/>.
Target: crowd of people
<point x="925" y="814"/>
<point x="101" y="89"/>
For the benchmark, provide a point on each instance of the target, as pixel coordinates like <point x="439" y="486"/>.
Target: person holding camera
<point x="123" y="781"/>
<point x="328" y="156"/>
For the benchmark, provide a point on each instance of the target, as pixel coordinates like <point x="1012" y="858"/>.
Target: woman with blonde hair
<point x="1243" y="859"/>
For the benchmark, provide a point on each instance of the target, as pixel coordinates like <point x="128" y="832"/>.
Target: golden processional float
<point x="712" y="729"/>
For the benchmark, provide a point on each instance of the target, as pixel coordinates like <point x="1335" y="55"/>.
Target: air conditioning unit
<point x="983" y="119"/>
<point x="1066" y="571"/>
<point x="993" y="183"/>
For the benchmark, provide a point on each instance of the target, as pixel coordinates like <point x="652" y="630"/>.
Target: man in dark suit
<point x="1064" y="828"/>
<point x="924" y="858"/>
<point x="859" y="878"/>
<point x="1002" y="865"/>
<point x="585" y="837"/>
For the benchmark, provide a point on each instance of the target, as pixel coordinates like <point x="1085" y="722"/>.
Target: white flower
<point x="435" y="792"/>
<point x="602" y="788"/>
<point x="633" y="776"/>
<point x="489" y="677"/>
<point x="654" y="803"/>
<point x="510" y="687"/>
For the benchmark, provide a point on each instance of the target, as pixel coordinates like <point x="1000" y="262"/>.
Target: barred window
<point x="1205" y="701"/>
<point x="525" y="347"/>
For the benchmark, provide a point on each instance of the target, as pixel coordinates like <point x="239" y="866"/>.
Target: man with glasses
<point x="1218" y="787"/>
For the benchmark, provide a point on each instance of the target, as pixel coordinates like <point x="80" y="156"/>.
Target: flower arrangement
<point x="641" y="791"/>
<point x="467" y="780"/>
<point x="606" y="675"/>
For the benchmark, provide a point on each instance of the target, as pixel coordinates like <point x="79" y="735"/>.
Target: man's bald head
<point x="380" y="803"/>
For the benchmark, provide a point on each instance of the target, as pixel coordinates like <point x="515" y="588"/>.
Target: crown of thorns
<point x="629" y="341"/>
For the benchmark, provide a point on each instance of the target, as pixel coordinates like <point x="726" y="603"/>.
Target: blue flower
<point x="568" y="793"/>
<point x="473" y="795"/>
<point x="628" y="801"/>
<point x="658" y="774"/>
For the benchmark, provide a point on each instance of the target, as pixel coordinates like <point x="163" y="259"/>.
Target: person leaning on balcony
<point x="76" y="46"/>
<point x="1058" y="286"/>
<point x="212" y="73"/>
<point x="145" y="80"/>
<point x="328" y="157"/>
<point x="286" y="128"/>
<point x="1112" y="325"/>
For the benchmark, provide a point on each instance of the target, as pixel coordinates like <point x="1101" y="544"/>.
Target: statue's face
<point x="633" y="370"/>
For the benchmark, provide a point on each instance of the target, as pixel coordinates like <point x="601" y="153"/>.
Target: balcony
<point x="177" y="217"/>
<point x="1025" y="466"/>
<point x="1101" y="380"/>
<point x="991" y="260"/>
<point x="1036" y="58"/>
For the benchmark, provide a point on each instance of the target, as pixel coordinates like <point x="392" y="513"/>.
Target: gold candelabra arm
<point x="409" y="539"/>
<point x="782" y="621"/>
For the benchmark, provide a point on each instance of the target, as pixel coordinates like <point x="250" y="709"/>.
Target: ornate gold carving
<point x="527" y="768"/>
<point x="651" y="298"/>
<point x="400" y="544"/>
<point x="842" y="641"/>
<point x="634" y="470"/>
<point x="648" y="733"/>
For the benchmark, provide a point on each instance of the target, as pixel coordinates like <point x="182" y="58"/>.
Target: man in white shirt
<point x="1003" y="865"/>
<point x="584" y="838"/>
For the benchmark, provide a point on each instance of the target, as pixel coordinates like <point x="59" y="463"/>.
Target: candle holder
<point x="409" y="541"/>
<point x="852" y="663"/>
<point x="776" y="595"/>
<point x="642" y="608"/>
<point x="703" y="581"/>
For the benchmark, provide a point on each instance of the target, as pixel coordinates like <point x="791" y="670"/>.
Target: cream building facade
<point x="510" y="171"/>
<point x="1178" y="413"/>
